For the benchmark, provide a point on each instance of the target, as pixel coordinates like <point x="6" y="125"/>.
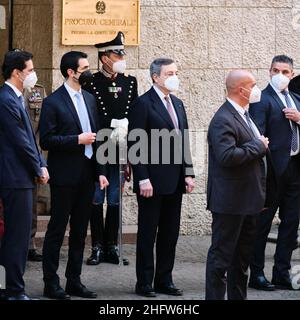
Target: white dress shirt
<point x="241" y="112"/>
<point x="162" y="98"/>
<point x="16" y="90"/>
<point x="72" y="94"/>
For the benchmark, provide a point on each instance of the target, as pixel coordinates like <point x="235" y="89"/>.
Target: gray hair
<point x="155" y="67"/>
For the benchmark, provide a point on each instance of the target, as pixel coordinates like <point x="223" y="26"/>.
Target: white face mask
<point x="30" y="81"/>
<point x="172" y="83"/>
<point x="255" y="95"/>
<point x="119" y="66"/>
<point x="280" y="82"/>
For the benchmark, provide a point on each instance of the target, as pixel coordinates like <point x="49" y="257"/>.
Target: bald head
<point x="239" y="84"/>
<point x="237" y="79"/>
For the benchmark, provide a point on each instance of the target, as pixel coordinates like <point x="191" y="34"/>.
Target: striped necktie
<point x="294" y="143"/>
<point x="171" y="112"/>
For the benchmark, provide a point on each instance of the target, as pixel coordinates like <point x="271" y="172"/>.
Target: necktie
<point x="21" y="98"/>
<point x="294" y="144"/>
<point x="247" y="116"/>
<point x="171" y="112"/>
<point x="84" y="121"/>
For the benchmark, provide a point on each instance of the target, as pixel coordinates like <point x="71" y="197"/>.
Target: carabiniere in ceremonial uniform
<point x="33" y="101"/>
<point x="114" y="91"/>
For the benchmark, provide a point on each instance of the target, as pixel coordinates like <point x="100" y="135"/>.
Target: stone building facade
<point x="207" y="38"/>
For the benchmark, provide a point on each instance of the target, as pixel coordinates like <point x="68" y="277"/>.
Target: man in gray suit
<point x="236" y="188"/>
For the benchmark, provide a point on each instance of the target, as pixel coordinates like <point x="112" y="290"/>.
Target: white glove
<point x="120" y="131"/>
<point x="118" y="135"/>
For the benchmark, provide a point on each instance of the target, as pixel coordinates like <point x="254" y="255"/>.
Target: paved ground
<point x="113" y="282"/>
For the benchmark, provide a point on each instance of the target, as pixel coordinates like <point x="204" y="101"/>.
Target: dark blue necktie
<point x="289" y="104"/>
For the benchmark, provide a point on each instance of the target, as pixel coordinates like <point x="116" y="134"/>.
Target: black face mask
<point x="85" y="77"/>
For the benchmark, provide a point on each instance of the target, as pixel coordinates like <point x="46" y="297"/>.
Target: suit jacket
<point x="59" y="130"/>
<point x="20" y="159"/>
<point x="147" y="113"/>
<point x="272" y="123"/>
<point x="236" y="171"/>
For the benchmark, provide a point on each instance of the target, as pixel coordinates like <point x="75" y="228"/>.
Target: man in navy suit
<point x="159" y="185"/>
<point x="21" y="164"/>
<point x="277" y="116"/>
<point x="68" y="127"/>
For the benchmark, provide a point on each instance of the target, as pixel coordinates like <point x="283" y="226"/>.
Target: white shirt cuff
<point x="144" y="181"/>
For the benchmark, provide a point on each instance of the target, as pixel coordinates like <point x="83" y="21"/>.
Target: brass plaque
<point x="86" y="22"/>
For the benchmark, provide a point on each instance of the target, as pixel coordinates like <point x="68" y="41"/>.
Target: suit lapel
<point x="22" y="110"/>
<point x="275" y="96"/>
<point x="14" y="96"/>
<point x="278" y="100"/>
<point x="238" y="117"/>
<point x="178" y="109"/>
<point x="160" y="108"/>
<point x="70" y="106"/>
<point x="26" y="116"/>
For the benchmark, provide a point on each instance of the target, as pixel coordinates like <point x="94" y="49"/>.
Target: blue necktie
<point x="84" y="121"/>
<point x="21" y="98"/>
<point x="294" y="144"/>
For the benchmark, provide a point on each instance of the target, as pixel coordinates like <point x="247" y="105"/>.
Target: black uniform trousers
<point x="17" y="205"/>
<point x="75" y="203"/>
<point x="288" y="203"/>
<point x="230" y="252"/>
<point x="158" y="219"/>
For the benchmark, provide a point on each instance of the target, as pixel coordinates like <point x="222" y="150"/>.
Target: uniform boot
<point x="111" y="236"/>
<point x="97" y="231"/>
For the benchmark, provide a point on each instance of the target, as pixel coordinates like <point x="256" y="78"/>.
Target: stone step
<point x="128" y="236"/>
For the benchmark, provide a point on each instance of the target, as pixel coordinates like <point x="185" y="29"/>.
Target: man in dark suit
<point x="277" y="116"/>
<point x="236" y="188"/>
<point x="160" y="185"/>
<point x="20" y="164"/>
<point x="68" y="127"/>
